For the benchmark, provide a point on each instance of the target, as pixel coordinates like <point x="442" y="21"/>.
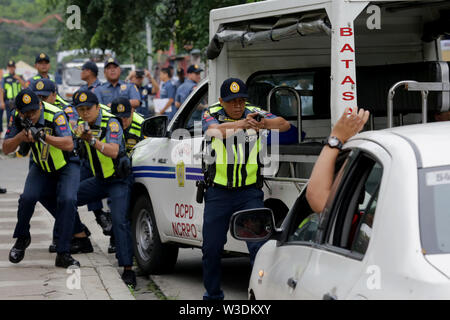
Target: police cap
<point x="11" y="63"/>
<point x="194" y="69"/>
<point x="90" y="65"/>
<point x="111" y="61"/>
<point x="121" y="107"/>
<point x="42" y="57"/>
<point x="233" y="88"/>
<point x="84" y="98"/>
<point x="43" y="87"/>
<point x="27" y="100"/>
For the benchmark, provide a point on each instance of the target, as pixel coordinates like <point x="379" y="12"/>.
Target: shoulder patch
<point x="68" y="110"/>
<point x="60" y="120"/>
<point x="114" y="126"/>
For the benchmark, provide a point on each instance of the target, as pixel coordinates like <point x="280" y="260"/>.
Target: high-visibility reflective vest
<point x="12" y="86"/>
<point x="238" y="165"/>
<point x="133" y="134"/>
<point x="101" y="165"/>
<point x="48" y="157"/>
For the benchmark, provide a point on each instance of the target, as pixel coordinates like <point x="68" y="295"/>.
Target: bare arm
<point x="62" y="143"/>
<point x="11" y="144"/>
<point x="321" y="179"/>
<point x="110" y="150"/>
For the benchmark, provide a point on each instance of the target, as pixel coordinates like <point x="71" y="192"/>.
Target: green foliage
<point x="21" y="43"/>
<point x="120" y="25"/>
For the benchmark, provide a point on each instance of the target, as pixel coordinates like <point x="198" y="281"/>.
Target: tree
<point x="120" y="25"/>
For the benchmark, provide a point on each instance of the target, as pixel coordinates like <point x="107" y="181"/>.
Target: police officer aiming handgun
<point x="102" y="136"/>
<point x="232" y="185"/>
<point x="54" y="173"/>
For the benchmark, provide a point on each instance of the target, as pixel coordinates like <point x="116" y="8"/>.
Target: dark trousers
<point x="220" y="204"/>
<point x="57" y="192"/>
<point x="117" y="190"/>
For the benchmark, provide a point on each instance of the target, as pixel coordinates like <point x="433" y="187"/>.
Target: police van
<point x="304" y="60"/>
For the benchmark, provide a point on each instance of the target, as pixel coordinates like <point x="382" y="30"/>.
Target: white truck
<point x="305" y="60"/>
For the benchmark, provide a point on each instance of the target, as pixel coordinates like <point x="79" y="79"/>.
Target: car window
<point x="304" y="223"/>
<point x="354" y="207"/>
<point x="195" y="117"/>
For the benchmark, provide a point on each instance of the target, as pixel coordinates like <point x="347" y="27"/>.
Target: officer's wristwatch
<point x="92" y="141"/>
<point x="334" y="142"/>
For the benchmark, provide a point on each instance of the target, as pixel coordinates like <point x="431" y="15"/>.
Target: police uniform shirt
<point x="185" y="90"/>
<point x="114" y="132"/>
<point x="72" y="113"/>
<point x="92" y="87"/>
<point x="62" y="128"/>
<point x="9" y="79"/>
<point x="168" y="91"/>
<point x="106" y="92"/>
<point x="208" y="119"/>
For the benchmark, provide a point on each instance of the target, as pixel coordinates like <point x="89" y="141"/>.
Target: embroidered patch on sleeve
<point x="60" y="120"/>
<point x="114" y="126"/>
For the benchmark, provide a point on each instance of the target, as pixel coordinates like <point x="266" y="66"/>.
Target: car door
<point x="337" y="262"/>
<point x="180" y="159"/>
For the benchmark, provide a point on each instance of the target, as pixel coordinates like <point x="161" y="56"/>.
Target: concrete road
<point x="185" y="283"/>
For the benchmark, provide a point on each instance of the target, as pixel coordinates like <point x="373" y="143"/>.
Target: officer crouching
<point x="103" y="140"/>
<point x="54" y="173"/>
<point x="234" y="179"/>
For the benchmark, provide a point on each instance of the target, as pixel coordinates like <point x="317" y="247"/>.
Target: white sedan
<point x="384" y="234"/>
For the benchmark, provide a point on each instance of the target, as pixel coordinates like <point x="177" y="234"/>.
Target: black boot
<point x="18" y="250"/>
<point x="129" y="277"/>
<point x="81" y="245"/>
<point x="104" y="221"/>
<point x="2" y="190"/>
<point x="65" y="260"/>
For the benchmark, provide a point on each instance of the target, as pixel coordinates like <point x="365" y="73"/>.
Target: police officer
<point x="132" y="130"/>
<point x="137" y="77"/>
<point x="105" y="149"/>
<point x="168" y="91"/>
<point x="89" y="73"/>
<point x="42" y="65"/>
<point x="185" y="89"/>
<point x="12" y="83"/>
<point x="232" y="185"/>
<point x="114" y="87"/>
<point x="53" y="176"/>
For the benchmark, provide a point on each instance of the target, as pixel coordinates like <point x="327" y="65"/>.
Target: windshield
<point x="72" y="77"/>
<point x="435" y="209"/>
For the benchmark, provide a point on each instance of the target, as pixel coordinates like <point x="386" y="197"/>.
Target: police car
<point x="297" y="58"/>
<point x="384" y="233"/>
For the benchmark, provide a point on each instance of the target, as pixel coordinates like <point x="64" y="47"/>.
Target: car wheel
<point x="152" y="256"/>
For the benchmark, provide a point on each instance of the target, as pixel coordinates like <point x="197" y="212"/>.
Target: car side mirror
<point x="155" y="127"/>
<point x="253" y="225"/>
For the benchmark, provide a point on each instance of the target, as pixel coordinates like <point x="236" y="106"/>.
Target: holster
<point x="201" y="187"/>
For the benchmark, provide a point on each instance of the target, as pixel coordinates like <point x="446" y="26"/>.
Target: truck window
<point x="283" y="103"/>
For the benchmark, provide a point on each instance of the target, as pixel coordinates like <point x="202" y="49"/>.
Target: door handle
<point x="329" y="296"/>
<point x="162" y="160"/>
<point x="292" y="282"/>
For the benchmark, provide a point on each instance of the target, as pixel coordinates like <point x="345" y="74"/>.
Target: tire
<point x="152" y="256"/>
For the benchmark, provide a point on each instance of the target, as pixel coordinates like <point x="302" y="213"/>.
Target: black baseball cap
<point x="42" y="57"/>
<point x="111" y="61"/>
<point x="27" y="100"/>
<point x="43" y="87"/>
<point x="194" y="68"/>
<point x="121" y="107"/>
<point x="84" y="98"/>
<point x="90" y="65"/>
<point x="233" y="88"/>
<point x="11" y="63"/>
